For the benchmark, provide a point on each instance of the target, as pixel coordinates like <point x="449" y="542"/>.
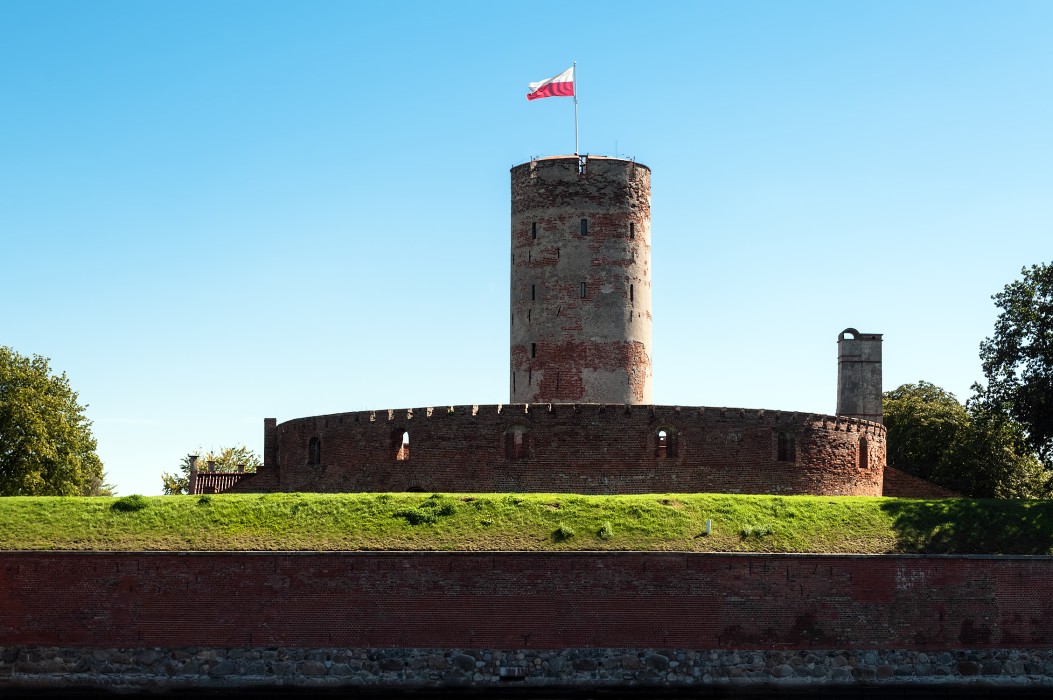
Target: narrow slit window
<point x="533" y="349"/>
<point x="533" y="293"/>
<point x="584" y="290"/>
<point x="533" y="230"/>
<point x="665" y="443"/>
<point x="864" y="456"/>
<point x="787" y="448"/>
<point x="584" y="227"/>
<point x="632" y="230"/>
<point x="403" y="451"/>
<point x="516" y="443"/>
<point x="630" y="294"/>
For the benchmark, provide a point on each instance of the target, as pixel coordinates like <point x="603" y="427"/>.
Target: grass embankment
<point x="527" y="522"/>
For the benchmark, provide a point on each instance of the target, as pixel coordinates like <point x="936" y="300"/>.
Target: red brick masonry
<point x="524" y="600"/>
<point x="572" y="448"/>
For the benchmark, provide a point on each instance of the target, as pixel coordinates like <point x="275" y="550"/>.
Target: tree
<point x="1018" y="358"/>
<point x="46" y="445"/>
<point x="227" y="459"/>
<point x="971" y="450"/>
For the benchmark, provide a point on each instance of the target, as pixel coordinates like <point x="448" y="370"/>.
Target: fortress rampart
<point x="574" y="448"/>
<point x="406" y="620"/>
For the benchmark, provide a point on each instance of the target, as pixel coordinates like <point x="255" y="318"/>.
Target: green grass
<point x="528" y="522"/>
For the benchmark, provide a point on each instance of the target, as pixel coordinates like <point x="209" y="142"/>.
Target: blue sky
<point x="212" y="213"/>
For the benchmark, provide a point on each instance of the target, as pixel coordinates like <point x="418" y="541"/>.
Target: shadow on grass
<point x="972" y="526"/>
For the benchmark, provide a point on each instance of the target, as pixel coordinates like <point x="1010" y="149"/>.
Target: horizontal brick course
<point x="524" y="600"/>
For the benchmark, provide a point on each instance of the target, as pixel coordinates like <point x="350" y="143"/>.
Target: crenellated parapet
<point x="580" y="448"/>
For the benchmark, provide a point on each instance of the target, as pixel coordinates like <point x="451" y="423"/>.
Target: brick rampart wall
<point x="524" y="601"/>
<point x="903" y="485"/>
<point x="587" y="448"/>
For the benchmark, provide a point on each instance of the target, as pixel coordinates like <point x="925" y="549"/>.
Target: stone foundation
<point x="119" y="670"/>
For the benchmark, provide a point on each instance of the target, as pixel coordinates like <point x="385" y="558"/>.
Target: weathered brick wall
<point x="581" y="281"/>
<point x="903" y="485"/>
<point x="590" y="448"/>
<point x="524" y="601"/>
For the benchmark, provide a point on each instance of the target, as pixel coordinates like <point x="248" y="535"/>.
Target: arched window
<point x="864" y="455"/>
<point x="786" y="450"/>
<point x="665" y="443"/>
<point x="402" y="445"/>
<point x="516" y="442"/>
<point x="314" y="451"/>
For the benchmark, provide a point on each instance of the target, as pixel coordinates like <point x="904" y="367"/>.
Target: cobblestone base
<point x="408" y="669"/>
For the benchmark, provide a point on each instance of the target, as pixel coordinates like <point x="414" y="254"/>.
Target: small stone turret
<point x="859" y="375"/>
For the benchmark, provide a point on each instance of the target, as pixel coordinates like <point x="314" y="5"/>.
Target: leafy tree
<point x="46" y="445"/>
<point x="970" y="449"/>
<point x="1018" y="358"/>
<point x="227" y="459"/>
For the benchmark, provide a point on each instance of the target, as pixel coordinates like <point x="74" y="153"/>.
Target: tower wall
<point x="581" y="281"/>
<point x="859" y="375"/>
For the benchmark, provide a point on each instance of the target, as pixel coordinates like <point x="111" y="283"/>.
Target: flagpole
<point x="575" y="66"/>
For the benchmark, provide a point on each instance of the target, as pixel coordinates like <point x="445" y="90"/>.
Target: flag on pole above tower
<point x="560" y="86"/>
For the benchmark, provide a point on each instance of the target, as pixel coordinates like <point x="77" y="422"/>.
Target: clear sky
<point x="217" y="212"/>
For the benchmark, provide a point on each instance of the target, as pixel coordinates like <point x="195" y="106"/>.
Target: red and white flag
<point x="560" y="86"/>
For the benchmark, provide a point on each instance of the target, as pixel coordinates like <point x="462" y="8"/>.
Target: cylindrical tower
<point x="581" y="281"/>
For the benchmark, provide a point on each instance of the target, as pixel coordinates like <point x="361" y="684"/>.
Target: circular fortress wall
<point x="581" y="281"/>
<point x="590" y="448"/>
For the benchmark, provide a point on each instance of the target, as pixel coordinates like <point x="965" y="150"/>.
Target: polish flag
<point x="560" y="86"/>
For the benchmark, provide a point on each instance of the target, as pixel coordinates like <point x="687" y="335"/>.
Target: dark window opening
<point x="630" y="293"/>
<point x="557" y="253"/>
<point x="533" y="349"/>
<point x="402" y="454"/>
<point x="632" y="230"/>
<point x="314" y="451"/>
<point x="584" y="227"/>
<point x="787" y="450"/>
<point x="665" y="443"/>
<point x="530" y="377"/>
<point x="533" y="293"/>
<point x="533" y="230"/>
<point x="528" y="315"/>
<point x="516" y="443"/>
<point x="513" y="381"/>
<point x="583" y="290"/>
<point x="864" y="456"/>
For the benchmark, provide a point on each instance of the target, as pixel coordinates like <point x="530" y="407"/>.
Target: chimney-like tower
<point x="581" y="281"/>
<point x="859" y="375"/>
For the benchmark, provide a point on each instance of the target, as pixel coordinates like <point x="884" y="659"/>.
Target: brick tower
<point x="581" y="281"/>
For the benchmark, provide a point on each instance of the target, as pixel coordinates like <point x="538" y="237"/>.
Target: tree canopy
<point x="46" y="445"/>
<point x="1018" y="358"/>
<point x="227" y="459"/>
<point x="971" y="450"/>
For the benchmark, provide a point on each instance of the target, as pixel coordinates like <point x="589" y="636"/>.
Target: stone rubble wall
<point x="28" y="667"/>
